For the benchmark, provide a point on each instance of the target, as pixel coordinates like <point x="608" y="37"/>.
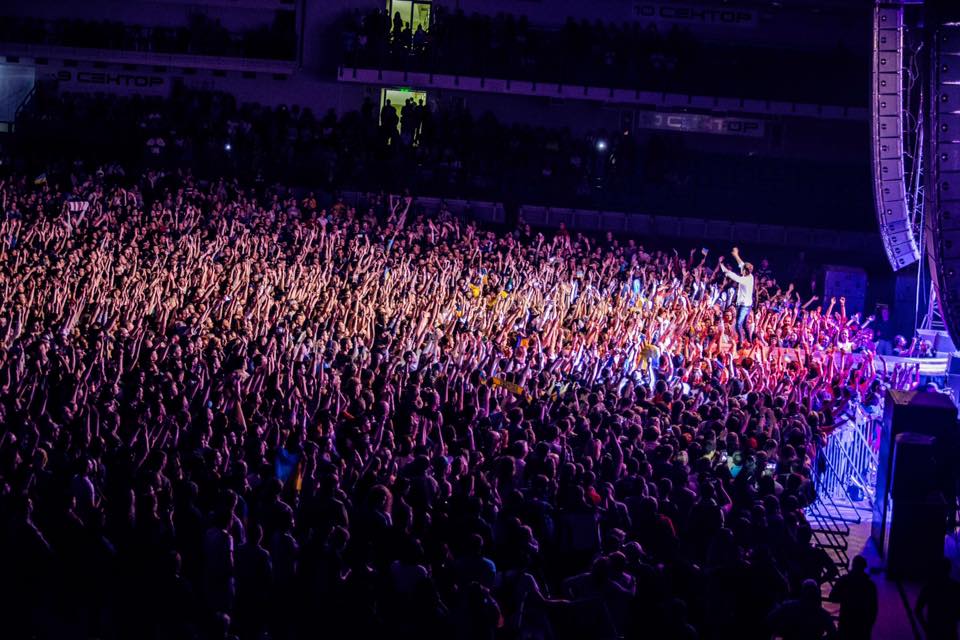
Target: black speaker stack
<point x="914" y="480"/>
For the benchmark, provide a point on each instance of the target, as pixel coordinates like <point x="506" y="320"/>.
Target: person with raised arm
<point x="745" y="284"/>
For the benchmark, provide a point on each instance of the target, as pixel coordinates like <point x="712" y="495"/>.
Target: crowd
<point x="229" y="412"/>
<point x="455" y="153"/>
<point x="202" y="35"/>
<point x="628" y="55"/>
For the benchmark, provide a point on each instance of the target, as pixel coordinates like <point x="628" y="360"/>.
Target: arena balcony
<point x="272" y="5"/>
<point x="601" y="63"/>
<point x="202" y="44"/>
<point x="451" y="153"/>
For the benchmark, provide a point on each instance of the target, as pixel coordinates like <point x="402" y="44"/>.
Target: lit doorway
<point x="399" y="98"/>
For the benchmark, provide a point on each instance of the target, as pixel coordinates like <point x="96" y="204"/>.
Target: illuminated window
<point x="410" y="17"/>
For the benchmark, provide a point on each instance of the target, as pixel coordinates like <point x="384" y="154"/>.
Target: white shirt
<point x="744" y="287"/>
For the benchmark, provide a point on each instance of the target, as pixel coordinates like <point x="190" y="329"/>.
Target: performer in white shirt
<point x="744" y="289"/>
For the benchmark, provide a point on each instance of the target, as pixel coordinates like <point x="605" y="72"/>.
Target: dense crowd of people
<point x="455" y="153"/>
<point x="201" y="36"/>
<point x="230" y="412"/>
<point x="628" y="55"/>
<point x="232" y="409"/>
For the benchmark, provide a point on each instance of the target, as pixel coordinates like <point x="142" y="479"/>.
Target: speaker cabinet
<point x="914" y="466"/>
<point x="914" y="536"/>
<point x="918" y="412"/>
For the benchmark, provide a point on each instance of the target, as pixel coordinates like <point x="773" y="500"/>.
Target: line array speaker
<point x="893" y="217"/>
<point x="944" y="176"/>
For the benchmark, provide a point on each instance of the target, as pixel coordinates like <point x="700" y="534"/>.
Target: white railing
<point x="729" y="104"/>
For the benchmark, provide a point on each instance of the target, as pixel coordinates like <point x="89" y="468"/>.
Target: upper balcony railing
<point x="202" y="37"/>
<point x="597" y="55"/>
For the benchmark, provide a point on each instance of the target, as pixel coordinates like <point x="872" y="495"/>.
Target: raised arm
<point x="735" y="252"/>
<point x="730" y="274"/>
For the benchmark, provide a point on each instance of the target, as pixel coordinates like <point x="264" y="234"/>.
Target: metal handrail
<point x="830" y="538"/>
<point x="854" y="470"/>
<point x="850" y="458"/>
<point x="820" y="511"/>
<point x="847" y="450"/>
<point x="23" y="103"/>
<point x="864" y="442"/>
<point x="830" y="529"/>
<point x="827" y="480"/>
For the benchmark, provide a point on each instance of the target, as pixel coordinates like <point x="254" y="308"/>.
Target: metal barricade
<point x="850" y="454"/>
<point x="844" y="480"/>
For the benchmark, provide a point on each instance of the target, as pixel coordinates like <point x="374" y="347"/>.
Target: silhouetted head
<point x="858" y="565"/>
